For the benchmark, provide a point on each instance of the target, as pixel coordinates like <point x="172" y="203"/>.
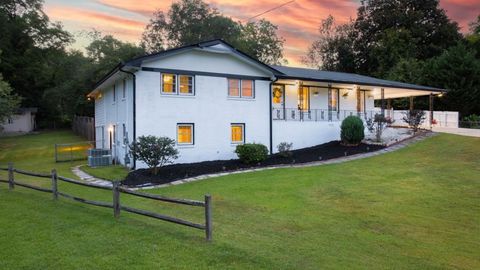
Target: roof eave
<point x="360" y="83"/>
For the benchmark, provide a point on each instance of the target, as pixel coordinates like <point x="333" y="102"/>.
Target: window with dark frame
<point x="169" y="83"/>
<point x="239" y="88"/>
<point x="247" y="88"/>
<point x="237" y="133"/>
<point x="185" y="84"/>
<point x="233" y="87"/>
<point x="185" y="134"/>
<point x="178" y="84"/>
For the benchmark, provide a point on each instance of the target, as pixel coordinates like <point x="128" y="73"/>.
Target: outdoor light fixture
<point x="440" y="95"/>
<point x="345" y="93"/>
<point x="315" y="93"/>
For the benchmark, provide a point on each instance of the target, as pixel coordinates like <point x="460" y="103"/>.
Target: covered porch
<point x="314" y="100"/>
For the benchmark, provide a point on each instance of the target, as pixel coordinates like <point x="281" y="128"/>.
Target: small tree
<point x="377" y="125"/>
<point x="414" y="118"/>
<point x="154" y="151"/>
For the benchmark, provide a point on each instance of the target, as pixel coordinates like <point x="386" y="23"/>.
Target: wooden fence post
<point x="208" y="217"/>
<point x="116" y="199"/>
<point x="11" y="180"/>
<point x="54" y="184"/>
<point x="56" y="154"/>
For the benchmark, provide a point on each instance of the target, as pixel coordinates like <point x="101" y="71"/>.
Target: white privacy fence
<point x="442" y="118"/>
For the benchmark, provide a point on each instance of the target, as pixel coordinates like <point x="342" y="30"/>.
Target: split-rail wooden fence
<point x="116" y="189"/>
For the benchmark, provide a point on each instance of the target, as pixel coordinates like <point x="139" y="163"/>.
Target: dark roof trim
<point x="413" y="87"/>
<point x="137" y="62"/>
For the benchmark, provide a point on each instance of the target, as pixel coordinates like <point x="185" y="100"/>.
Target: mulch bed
<point x="175" y="172"/>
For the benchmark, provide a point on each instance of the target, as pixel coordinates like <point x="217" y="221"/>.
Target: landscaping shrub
<point x="154" y="151"/>
<point x="284" y="149"/>
<point x="377" y="125"/>
<point x="352" y="130"/>
<point x="414" y="118"/>
<point x="251" y="153"/>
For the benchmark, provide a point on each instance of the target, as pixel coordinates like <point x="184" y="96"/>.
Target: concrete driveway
<point x="459" y="131"/>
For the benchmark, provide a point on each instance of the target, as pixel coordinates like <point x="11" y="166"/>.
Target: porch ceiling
<point x="375" y="90"/>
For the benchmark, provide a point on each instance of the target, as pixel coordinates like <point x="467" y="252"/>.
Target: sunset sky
<point x="298" y="22"/>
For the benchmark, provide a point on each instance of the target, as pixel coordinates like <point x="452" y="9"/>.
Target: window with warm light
<point x="186" y="84"/>
<point x="304" y="98"/>
<point x="333" y="99"/>
<point x="247" y="88"/>
<point x="238" y="133"/>
<point x="184" y="134"/>
<point x="169" y="83"/>
<point x="238" y="88"/>
<point x="233" y="88"/>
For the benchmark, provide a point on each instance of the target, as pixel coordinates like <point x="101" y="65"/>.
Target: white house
<point x="23" y="121"/>
<point x="211" y="97"/>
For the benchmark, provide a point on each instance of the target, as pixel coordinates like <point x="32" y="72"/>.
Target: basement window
<point x="185" y="134"/>
<point x="238" y="133"/>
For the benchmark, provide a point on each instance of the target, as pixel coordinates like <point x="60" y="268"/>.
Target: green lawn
<point x="113" y="172"/>
<point x="417" y="208"/>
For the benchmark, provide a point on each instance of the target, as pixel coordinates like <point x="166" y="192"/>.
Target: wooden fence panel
<point x="117" y="190"/>
<point x="84" y="126"/>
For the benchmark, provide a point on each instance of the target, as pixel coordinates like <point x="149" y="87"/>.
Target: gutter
<point x="134" y="101"/>
<point x="270" y="106"/>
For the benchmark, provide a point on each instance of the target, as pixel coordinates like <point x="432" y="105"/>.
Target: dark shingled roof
<point x="341" y="77"/>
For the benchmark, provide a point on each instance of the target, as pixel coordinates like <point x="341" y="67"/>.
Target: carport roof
<point x="347" y="78"/>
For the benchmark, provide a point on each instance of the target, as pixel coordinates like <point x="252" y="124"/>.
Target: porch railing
<point x="294" y="114"/>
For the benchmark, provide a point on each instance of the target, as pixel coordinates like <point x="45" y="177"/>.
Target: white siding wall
<point x="310" y="133"/>
<point x="110" y="115"/>
<point x="304" y="134"/>
<point x="210" y="110"/>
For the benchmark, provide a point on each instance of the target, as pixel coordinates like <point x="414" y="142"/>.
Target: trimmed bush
<point x="352" y="130"/>
<point x="251" y="153"/>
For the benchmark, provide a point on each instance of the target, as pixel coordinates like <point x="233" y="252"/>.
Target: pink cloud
<point x="298" y="22"/>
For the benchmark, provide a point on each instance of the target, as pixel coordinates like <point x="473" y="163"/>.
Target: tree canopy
<point x="404" y="40"/>
<point x="192" y="21"/>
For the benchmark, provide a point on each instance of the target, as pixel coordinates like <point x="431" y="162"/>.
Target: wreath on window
<point x="277" y="93"/>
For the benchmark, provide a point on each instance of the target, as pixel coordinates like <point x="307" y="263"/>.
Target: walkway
<point x="459" y="131"/>
<point x="391" y="148"/>
<point x="88" y="178"/>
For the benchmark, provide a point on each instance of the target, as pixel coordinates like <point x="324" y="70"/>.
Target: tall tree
<point x="9" y="101"/>
<point x="105" y="52"/>
<point x="28" y="42"/>
<point x="423" y="25"/>
<point x="193" y="21"/>
<point x="457" y="70"/>
<point x="333" y="50"/>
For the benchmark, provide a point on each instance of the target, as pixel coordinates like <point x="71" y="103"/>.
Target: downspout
<point x="134" y="108"/>
<point x="273" y="80"/>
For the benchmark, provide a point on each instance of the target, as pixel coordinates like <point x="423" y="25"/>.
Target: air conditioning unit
<point x="98" y="152"/>
<point x="99" y="157"/>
